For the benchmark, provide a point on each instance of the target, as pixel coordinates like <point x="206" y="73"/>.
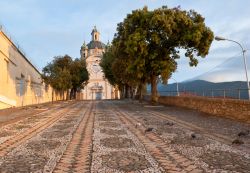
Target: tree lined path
<point x="121" y="136"/>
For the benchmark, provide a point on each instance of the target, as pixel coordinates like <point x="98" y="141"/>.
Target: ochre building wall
<point x="20" y="81"/>
<point x="229" y="108"/>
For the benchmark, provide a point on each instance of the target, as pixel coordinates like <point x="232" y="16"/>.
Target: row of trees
<point x="65" y="74"/>
<point x="148" y="43"/>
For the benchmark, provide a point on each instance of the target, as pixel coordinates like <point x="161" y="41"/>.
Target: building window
<point x="22" y="85"/>
<point x="95" y="37"/>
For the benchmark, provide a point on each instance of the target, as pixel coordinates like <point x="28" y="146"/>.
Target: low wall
<point x="229" y="108"/>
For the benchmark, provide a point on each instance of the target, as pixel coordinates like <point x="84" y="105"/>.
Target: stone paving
<point x="116" y="149"/>
<point x="206" y="153"/>
<point x="120" y="137"/>
<point x="41" y="152"/>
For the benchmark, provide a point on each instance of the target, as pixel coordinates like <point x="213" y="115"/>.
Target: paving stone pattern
<point x="206" y="153"/>
<point x="120" y="137"/>
<point x="41" y="152"/>
<point x="116" y="149"/>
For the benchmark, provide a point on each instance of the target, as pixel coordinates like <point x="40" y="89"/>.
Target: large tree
<point x="152" y="40"/>
<point x="106" y="64"/>
<point x="64" y="74"/>
<point x="115" y="70"/>
<point x="57" y="73"/>
<point x="79" y="76"/>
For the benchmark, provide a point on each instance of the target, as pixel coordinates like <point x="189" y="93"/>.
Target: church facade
<point x="97" y="87"/>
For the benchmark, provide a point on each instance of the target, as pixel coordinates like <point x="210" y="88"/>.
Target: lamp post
<point x="177" y="87"/>
<point x="217" y="38"/>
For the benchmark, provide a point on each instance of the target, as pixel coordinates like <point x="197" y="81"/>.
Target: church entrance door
<point x="98" y="95"/>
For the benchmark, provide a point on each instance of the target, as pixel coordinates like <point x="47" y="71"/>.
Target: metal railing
<point x="240" y="93"/>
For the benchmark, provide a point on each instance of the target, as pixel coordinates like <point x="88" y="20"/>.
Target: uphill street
<point x="120" y="136"/>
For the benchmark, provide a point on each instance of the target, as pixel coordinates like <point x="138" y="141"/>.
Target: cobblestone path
<point x="27" y="129"/>
<point x="120" y="137"/>
<point x="192" y="141"/>
<point x="116" y="148"/>
<point x="40" y="146"/>
<point x="19" y="114"/>
<point x="77" y="156"/>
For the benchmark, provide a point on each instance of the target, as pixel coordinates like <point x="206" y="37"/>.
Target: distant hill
<point x="232" y="69"/>
<point x="201" y="87"/>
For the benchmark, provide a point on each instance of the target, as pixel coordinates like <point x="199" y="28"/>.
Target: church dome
<point x="96" y="44"/>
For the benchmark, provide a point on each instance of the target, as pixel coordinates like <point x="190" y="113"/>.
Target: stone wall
<point x="20" y="82"/>
<point x="229" y="108"/>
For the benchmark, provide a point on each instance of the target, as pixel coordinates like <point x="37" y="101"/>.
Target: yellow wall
<point x="20" y="81"/>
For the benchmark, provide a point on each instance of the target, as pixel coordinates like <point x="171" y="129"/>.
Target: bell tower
<point x="84" y="51"/>
<point x="95" y="34"/>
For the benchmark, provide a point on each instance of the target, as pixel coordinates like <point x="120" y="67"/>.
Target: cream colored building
<point x="98" y="87"/>
<point x="20" y="81"/>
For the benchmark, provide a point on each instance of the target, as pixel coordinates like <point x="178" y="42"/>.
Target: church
<point x="97" y="87"/>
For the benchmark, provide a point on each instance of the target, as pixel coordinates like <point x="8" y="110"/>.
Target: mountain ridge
<point x="199" y="87"/>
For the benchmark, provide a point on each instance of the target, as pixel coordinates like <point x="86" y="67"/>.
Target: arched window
<point x="95" y="37"/>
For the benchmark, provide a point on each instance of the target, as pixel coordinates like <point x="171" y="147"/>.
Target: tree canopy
<point x="63" y="74"/>
<point x="148" y="43"/>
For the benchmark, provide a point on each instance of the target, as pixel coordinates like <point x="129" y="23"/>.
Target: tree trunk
<point x="140" y="92"/>
<point x="154" y="96"/>
<point x="71" y="94"/>
<point x="62" y="94"/>
<point x="74" y="93"/>
<point x="67" y="95"/>
<point x="126" y="91"/>
<point x="131" y="92"/>
<point x="121" y="92"/>
<point x="52" y="95"/>
<point x="116" y="92"/>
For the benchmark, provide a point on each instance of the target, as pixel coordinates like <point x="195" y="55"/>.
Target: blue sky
<point x="46" y="28"/>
